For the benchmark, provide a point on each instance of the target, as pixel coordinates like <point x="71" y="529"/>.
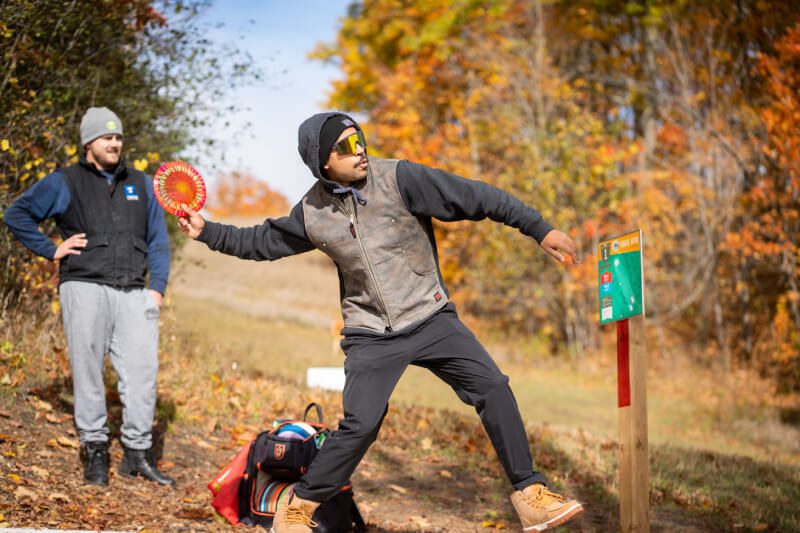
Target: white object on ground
<point x="325" y="377"/>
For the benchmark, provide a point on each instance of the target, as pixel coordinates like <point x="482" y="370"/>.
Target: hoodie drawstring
<point x="357" y="195"/>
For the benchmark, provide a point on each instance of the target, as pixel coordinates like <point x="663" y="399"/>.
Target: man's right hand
<point x="192" y="224"/>
<point x="71" y="246"/>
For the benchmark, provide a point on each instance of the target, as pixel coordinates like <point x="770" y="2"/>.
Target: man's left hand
<point x="156" y="296"/>
<point x="560" y="246"/>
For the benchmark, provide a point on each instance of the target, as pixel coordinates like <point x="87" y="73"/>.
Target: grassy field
<point x="276" y="318"/>
<point x="720" y="460"/>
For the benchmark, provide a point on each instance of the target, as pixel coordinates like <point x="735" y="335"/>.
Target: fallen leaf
<point x="68" y="442"/>
<point x="419" y="521"/>
<point x="500" y="525"/>
<point x="5" y="414"/>
<point x="761" y="526"/>
<point x="9" y="453"/>
<point x="166" y="465"/>
<point x="59" y="497"/>
<point x="426" y="443"/>
<point x="446" y="473"/>
<point x="6" y="438"/>
<point x="15" y="478"/>
<point x="487" y="523"/>
<point x="194" y="513"/>
<point x="22" y="493"/>
<point x="42" y="405"/>
<point x="53" y="419"/>
<point x="40" y="472"/>
<point x="397" y="488"/>
<point x="203" y="444"/>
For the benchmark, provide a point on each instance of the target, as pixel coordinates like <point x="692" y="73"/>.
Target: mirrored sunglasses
<point x="348" y="145"/>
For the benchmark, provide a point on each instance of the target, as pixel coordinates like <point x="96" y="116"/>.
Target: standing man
<point x="113" y="233"/>
<point x="372" y="217"/>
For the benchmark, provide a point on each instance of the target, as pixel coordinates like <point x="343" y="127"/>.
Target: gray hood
<point x="308" y="143"/>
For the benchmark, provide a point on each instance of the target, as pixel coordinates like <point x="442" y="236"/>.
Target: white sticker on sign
<point x="605" y="313"/>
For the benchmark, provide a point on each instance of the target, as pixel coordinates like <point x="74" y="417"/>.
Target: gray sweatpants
<point x="99" y="319"/>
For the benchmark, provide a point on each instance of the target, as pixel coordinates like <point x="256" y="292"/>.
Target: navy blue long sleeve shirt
<point x="50" y="197"/>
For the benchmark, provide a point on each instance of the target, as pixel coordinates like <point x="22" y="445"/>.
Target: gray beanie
<point x="99" y="121"/>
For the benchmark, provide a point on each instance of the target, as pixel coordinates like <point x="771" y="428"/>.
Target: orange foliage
<point x="241" y="194"/>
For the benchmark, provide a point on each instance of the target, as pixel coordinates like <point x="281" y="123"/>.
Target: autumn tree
<point x="147" y="60"/>
<point x="606" y="116"/>
<point x="240" y="194"/>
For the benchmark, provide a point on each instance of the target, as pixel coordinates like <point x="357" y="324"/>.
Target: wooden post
<point x="634" y="493"/>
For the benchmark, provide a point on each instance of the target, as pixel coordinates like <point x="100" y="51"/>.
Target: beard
<point x="108" y="159"/>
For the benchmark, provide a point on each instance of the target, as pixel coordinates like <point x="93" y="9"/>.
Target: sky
<point x="278" y="35"/>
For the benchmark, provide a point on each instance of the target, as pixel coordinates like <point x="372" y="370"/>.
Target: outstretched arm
<point x="435" y="193"/>
<point x="273" y="239"/>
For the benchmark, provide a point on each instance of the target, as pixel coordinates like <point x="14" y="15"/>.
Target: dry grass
<point x="275" y="318"/>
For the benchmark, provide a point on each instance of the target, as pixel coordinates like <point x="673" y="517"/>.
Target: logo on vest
<point x="131" y="193"/>
<point x="280" y="451"/>
<point x="437" y="296"/>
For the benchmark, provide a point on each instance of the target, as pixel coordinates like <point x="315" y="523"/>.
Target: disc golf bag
<point x="337" y="515"/>
<point x="225" y="486"/>
<point x="286" y="450"/>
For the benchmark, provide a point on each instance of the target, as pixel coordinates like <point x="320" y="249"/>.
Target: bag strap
<point x="317" y="408"/>
<point x="359" y="526"/>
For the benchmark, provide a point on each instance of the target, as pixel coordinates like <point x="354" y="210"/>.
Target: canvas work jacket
<point x="385" y="250"/>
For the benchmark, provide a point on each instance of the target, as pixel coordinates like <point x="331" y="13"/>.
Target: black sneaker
<point x="141" y="463"/>
<point x="94" y="456"/>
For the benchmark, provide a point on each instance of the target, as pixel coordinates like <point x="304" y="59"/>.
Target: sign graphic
<point x="620" y="277"/>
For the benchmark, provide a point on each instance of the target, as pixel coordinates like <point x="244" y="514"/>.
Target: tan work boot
<point x="540" y="509"/>
<point x="294" y="516"/>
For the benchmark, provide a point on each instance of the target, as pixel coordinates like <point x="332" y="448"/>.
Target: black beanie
<point x="330" y="131"/>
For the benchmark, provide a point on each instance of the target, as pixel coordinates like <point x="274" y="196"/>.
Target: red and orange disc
<point x="176" y="183"/>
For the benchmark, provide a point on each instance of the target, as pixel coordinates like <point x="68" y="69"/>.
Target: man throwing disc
<point x="372" y="217"/>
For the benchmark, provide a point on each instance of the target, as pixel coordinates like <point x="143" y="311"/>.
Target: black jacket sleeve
<point x="430" y="192"/>
<point x="273" y="239"/>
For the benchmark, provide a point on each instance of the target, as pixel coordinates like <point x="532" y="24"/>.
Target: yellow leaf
<point x="70" y="149"/>
<point x="15" y="478"/>
<point x="67" y="442"/>
<point x="153" y="157"/>
<point x="140" y="165"/>
<point x="4" y="145"/>
<point x="55" y="307"/>
<point x="487" y="523"/>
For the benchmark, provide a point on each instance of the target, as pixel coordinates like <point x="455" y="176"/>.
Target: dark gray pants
<point x="373" y="367"/>
<point x="99" y="319"/>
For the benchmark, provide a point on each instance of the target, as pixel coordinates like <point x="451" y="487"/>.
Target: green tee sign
<point x="620" y="277"/>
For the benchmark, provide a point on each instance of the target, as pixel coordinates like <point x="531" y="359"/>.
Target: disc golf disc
<point x="176" y="183"/>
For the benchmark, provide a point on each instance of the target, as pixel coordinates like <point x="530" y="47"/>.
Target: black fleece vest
<point x="114" y="219"/>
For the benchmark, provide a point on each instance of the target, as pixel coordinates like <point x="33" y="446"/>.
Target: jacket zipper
<point x="365" y="259"/>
